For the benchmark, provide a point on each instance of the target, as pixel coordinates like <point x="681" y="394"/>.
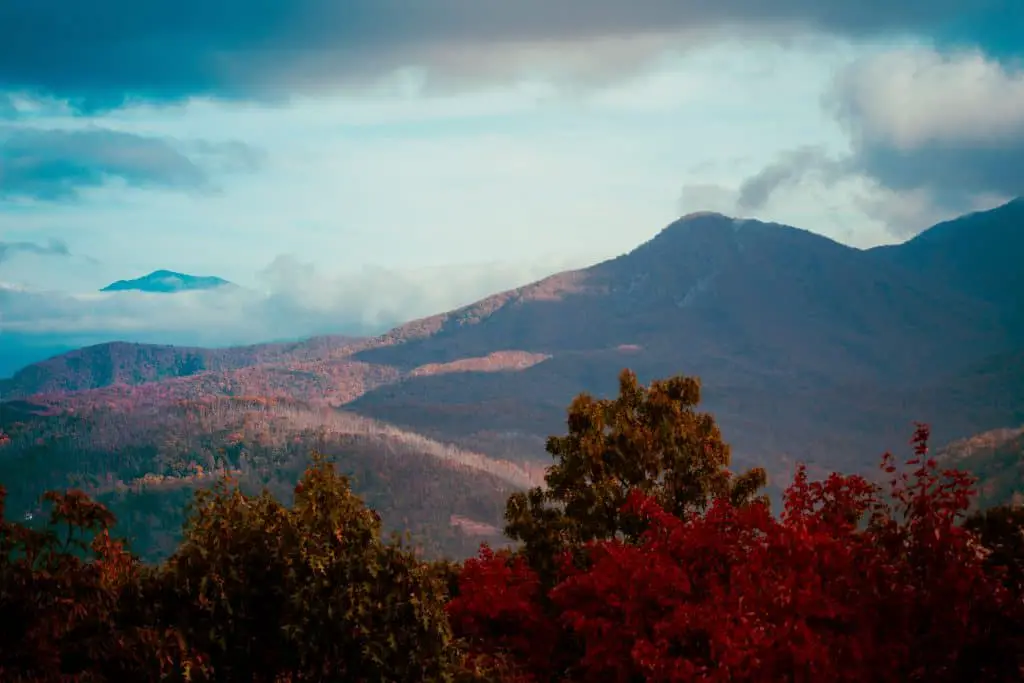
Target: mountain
<point x="978" y="254"/>
<point x="166" y="282"/>
<point x="807" y="349"/>
<point x="726" y="296"/>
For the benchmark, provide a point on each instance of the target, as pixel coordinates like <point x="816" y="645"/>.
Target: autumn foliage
<point x="847" y="584"/>
<point x="644" y="559"/>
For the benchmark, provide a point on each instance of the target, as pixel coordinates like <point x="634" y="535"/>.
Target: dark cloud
<point x="997" y="29"/>
<point x="98" y="54"/>
<point x="953" y="174"/>
<point x="56" y="164"/>
<point x="51" y="248"/>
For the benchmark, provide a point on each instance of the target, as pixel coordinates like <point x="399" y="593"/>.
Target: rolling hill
<point x="144" y="460"/>
<point x="130" y="364"/>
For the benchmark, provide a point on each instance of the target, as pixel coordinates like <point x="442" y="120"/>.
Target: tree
<point x="63" y="592"/>
<point x="647" y="439"/>
<point x="846" y="585"/>
<point x="307" y="593"/>
<point x="499" y="612"/>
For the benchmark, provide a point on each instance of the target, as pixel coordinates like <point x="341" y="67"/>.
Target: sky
<point x="352" y="164"/>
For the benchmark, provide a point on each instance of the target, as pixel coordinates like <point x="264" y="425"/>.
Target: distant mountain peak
<point x="706" y="232"/>
<point x="697" y="215"/>
<point x="703" y="220"/>
<point x="167" y="282"/>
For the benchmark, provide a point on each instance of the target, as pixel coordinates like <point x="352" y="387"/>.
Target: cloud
<point x="52" y="248"/>
<point x="792" y="166"/>
<point x="931" y="136"/>
<point x="292" y="300"/>
<point x="907" y="212"/>
<point x="8" y="110"/>
<point x="54" y="164"/>
<point x="952" y="125"/>
<point x="101" y="54"/>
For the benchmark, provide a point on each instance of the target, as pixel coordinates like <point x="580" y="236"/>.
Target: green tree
<point x="307" y="593"/>
<point x="649" y="439"/>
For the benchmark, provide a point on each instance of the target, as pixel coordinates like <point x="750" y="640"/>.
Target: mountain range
<point x="808" y="350"/>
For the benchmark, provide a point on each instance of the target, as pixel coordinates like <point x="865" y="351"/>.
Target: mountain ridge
<point x="719" y="269"/>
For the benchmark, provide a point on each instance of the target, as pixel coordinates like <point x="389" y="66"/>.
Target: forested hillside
<point x="642" y="557"/>
<point x="145" y="462"/>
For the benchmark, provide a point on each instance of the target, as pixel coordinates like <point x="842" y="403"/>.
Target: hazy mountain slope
<point x="20" y="350"/>
<point x="772" y="421"/>
<point x="103" y="365"/>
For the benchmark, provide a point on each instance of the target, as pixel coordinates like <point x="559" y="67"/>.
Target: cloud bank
<point x="292" y="301"/>
<point x="114" y="51"/>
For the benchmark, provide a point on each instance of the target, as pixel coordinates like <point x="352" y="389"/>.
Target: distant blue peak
<point x="166" y="282"/>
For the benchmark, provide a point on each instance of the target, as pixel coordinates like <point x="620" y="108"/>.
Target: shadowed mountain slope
<point x="713" y="294"/>
<point x="980" y="254"/>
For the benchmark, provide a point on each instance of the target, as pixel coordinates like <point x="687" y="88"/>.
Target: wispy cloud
<point x="55" y="164"/>
<point x="791" y="167"/>
<point x="52" y="248"/>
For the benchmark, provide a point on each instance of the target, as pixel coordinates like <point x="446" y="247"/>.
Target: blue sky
<point x="353" y="164"/>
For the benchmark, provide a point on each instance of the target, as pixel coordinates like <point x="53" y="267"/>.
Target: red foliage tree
<point x="847" y="585"/>
<point x="499" y="612"/>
